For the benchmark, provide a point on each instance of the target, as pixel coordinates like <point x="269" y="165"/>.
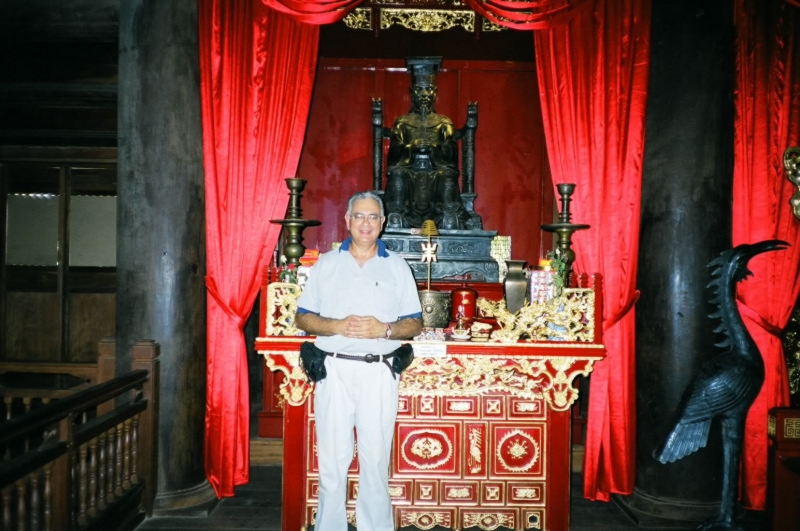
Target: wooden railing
<point x="18" y="400"/>
<point x="86" y="461"/>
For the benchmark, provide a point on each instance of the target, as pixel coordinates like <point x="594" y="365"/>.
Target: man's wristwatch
<point x="388" y="331"/>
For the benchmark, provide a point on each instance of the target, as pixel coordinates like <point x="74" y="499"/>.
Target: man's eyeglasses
<point x="372" y="218"/>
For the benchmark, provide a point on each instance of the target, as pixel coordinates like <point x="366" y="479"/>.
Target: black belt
<point x="367" y="358"/>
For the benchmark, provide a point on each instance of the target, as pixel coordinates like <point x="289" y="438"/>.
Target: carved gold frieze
<point x="475" y="459"/>
<point x="425" y="520"/>
<point x="526" y="493"/>
<point x="426" y="405"/>
<point x="526" y="378"/>
<point x="493" y="493"/>
<point x="533" y="520"/>
<point x="359" y="18"/>
<point x="568" y="317"/>
<point x="791" y="428"/>
<point x="295" y="388"/>
<point x="459" y="492"/>
<point x="427" y="20"/>
<point x="520" y="447"/>
<point x="281" y="309"/>
<point x="426" y="492"/>
<point x="425" y="444"/>
<point x="551" y="379"/>
<point x="526" y="407"/>
<point x="488" y="521"/>
<point x="459" y="407"/>
<point x="488" y="25"/>
<point x="426" y="448"/>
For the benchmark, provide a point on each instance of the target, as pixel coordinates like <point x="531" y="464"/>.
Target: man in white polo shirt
<point x="359" y="301"/>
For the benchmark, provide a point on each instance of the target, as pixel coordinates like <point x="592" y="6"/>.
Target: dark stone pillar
<point x="161" y="232"/>
<point x="686" y="213"/>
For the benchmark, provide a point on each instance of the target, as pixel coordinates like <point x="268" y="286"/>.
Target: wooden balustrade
<point x="65" y="379"/>
<point x="88" y="460"/>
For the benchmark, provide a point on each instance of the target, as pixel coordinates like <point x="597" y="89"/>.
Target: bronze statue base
<point x="461" y="255"/>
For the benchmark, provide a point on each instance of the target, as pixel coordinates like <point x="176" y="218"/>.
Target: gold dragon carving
<point x="568" y="317"/>
<point x="282" y="307"/>
<point x="551" y="379"/>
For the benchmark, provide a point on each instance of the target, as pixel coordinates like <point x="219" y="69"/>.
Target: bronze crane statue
<point x="726" y="386"/>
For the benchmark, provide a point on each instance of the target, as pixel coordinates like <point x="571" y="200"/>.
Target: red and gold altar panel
<point x="482" y="437"/>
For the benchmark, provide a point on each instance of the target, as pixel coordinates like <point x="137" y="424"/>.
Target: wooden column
<point x="161" y="230"/>
<point x="686" y="222"/>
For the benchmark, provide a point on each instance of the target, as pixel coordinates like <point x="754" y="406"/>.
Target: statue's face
<point x="423" y="97"/>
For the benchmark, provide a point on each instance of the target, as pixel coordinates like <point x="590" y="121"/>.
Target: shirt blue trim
<point x="303" y="310"/>
<point x="417" y="315"/>
<point x="382" y="252"/>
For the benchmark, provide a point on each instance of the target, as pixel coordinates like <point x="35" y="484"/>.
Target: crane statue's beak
<point x="767" y="246"/>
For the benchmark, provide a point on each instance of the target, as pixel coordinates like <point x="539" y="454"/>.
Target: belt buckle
<point x="371" y="358"/>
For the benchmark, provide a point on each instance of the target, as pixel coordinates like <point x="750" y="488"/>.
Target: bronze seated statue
<point x="422" y="164"/>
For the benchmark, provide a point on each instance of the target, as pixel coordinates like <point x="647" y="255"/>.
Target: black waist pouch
<point x="402" y="358"/>
<point x="312" y="360"/>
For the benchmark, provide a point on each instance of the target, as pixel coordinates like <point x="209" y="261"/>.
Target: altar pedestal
<point x="483" y="434"/>
<point x="482" y="437"/>
<point x="460" y="254"/>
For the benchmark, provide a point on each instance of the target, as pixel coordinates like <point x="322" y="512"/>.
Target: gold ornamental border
<point x="418" y="19"/>
<point x="550" y="379"/>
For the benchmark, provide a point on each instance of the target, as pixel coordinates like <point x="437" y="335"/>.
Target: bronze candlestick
<point x="565" y="228"/>
<point x="294" y="224"/>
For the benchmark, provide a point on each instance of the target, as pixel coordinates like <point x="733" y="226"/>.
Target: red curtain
<point x="314" y="11"/>
<point x="593" y="75"/>
<point x="256" y="78"/>
<point x="528" y="14"/>
<point x="767" y="121"/>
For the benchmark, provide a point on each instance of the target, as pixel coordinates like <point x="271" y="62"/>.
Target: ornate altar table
<point x="482" y="436"/>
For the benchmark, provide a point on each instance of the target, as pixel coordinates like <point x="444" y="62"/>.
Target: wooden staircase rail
<point x="52" y="413"/>
<point x="87" y="461"/>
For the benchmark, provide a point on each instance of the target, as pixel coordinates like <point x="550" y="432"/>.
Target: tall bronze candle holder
<point x="294" y="224"/>
<point x="565" y="228"/>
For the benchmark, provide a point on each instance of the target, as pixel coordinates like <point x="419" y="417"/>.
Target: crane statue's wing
<point x="719" y="389"/>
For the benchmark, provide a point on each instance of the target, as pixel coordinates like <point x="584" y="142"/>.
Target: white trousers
<point x="364" y="396"/>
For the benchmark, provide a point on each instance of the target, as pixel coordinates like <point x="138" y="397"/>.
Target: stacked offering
<point x="541" y="286"/>
<point x="480" y="331"/>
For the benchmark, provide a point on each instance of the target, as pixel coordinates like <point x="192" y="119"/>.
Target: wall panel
<point x="32" y="331"/>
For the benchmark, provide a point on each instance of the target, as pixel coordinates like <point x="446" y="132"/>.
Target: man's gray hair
<point x="364" y="195"/>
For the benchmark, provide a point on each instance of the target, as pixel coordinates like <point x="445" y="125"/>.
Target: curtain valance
<point x="528" y="15"/>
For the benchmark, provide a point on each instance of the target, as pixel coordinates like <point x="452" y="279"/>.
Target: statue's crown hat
<point x="423" y="69"/>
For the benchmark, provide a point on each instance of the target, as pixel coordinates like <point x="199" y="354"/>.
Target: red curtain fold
<point x="314" y="11"/>
<point x="767" y="121"/>
<point x="528" y="15"/>
<point x="593" y="76"/>
<point x="256" y="78"/>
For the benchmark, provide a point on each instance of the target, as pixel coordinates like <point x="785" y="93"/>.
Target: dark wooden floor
<point x="257" y="506"/>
